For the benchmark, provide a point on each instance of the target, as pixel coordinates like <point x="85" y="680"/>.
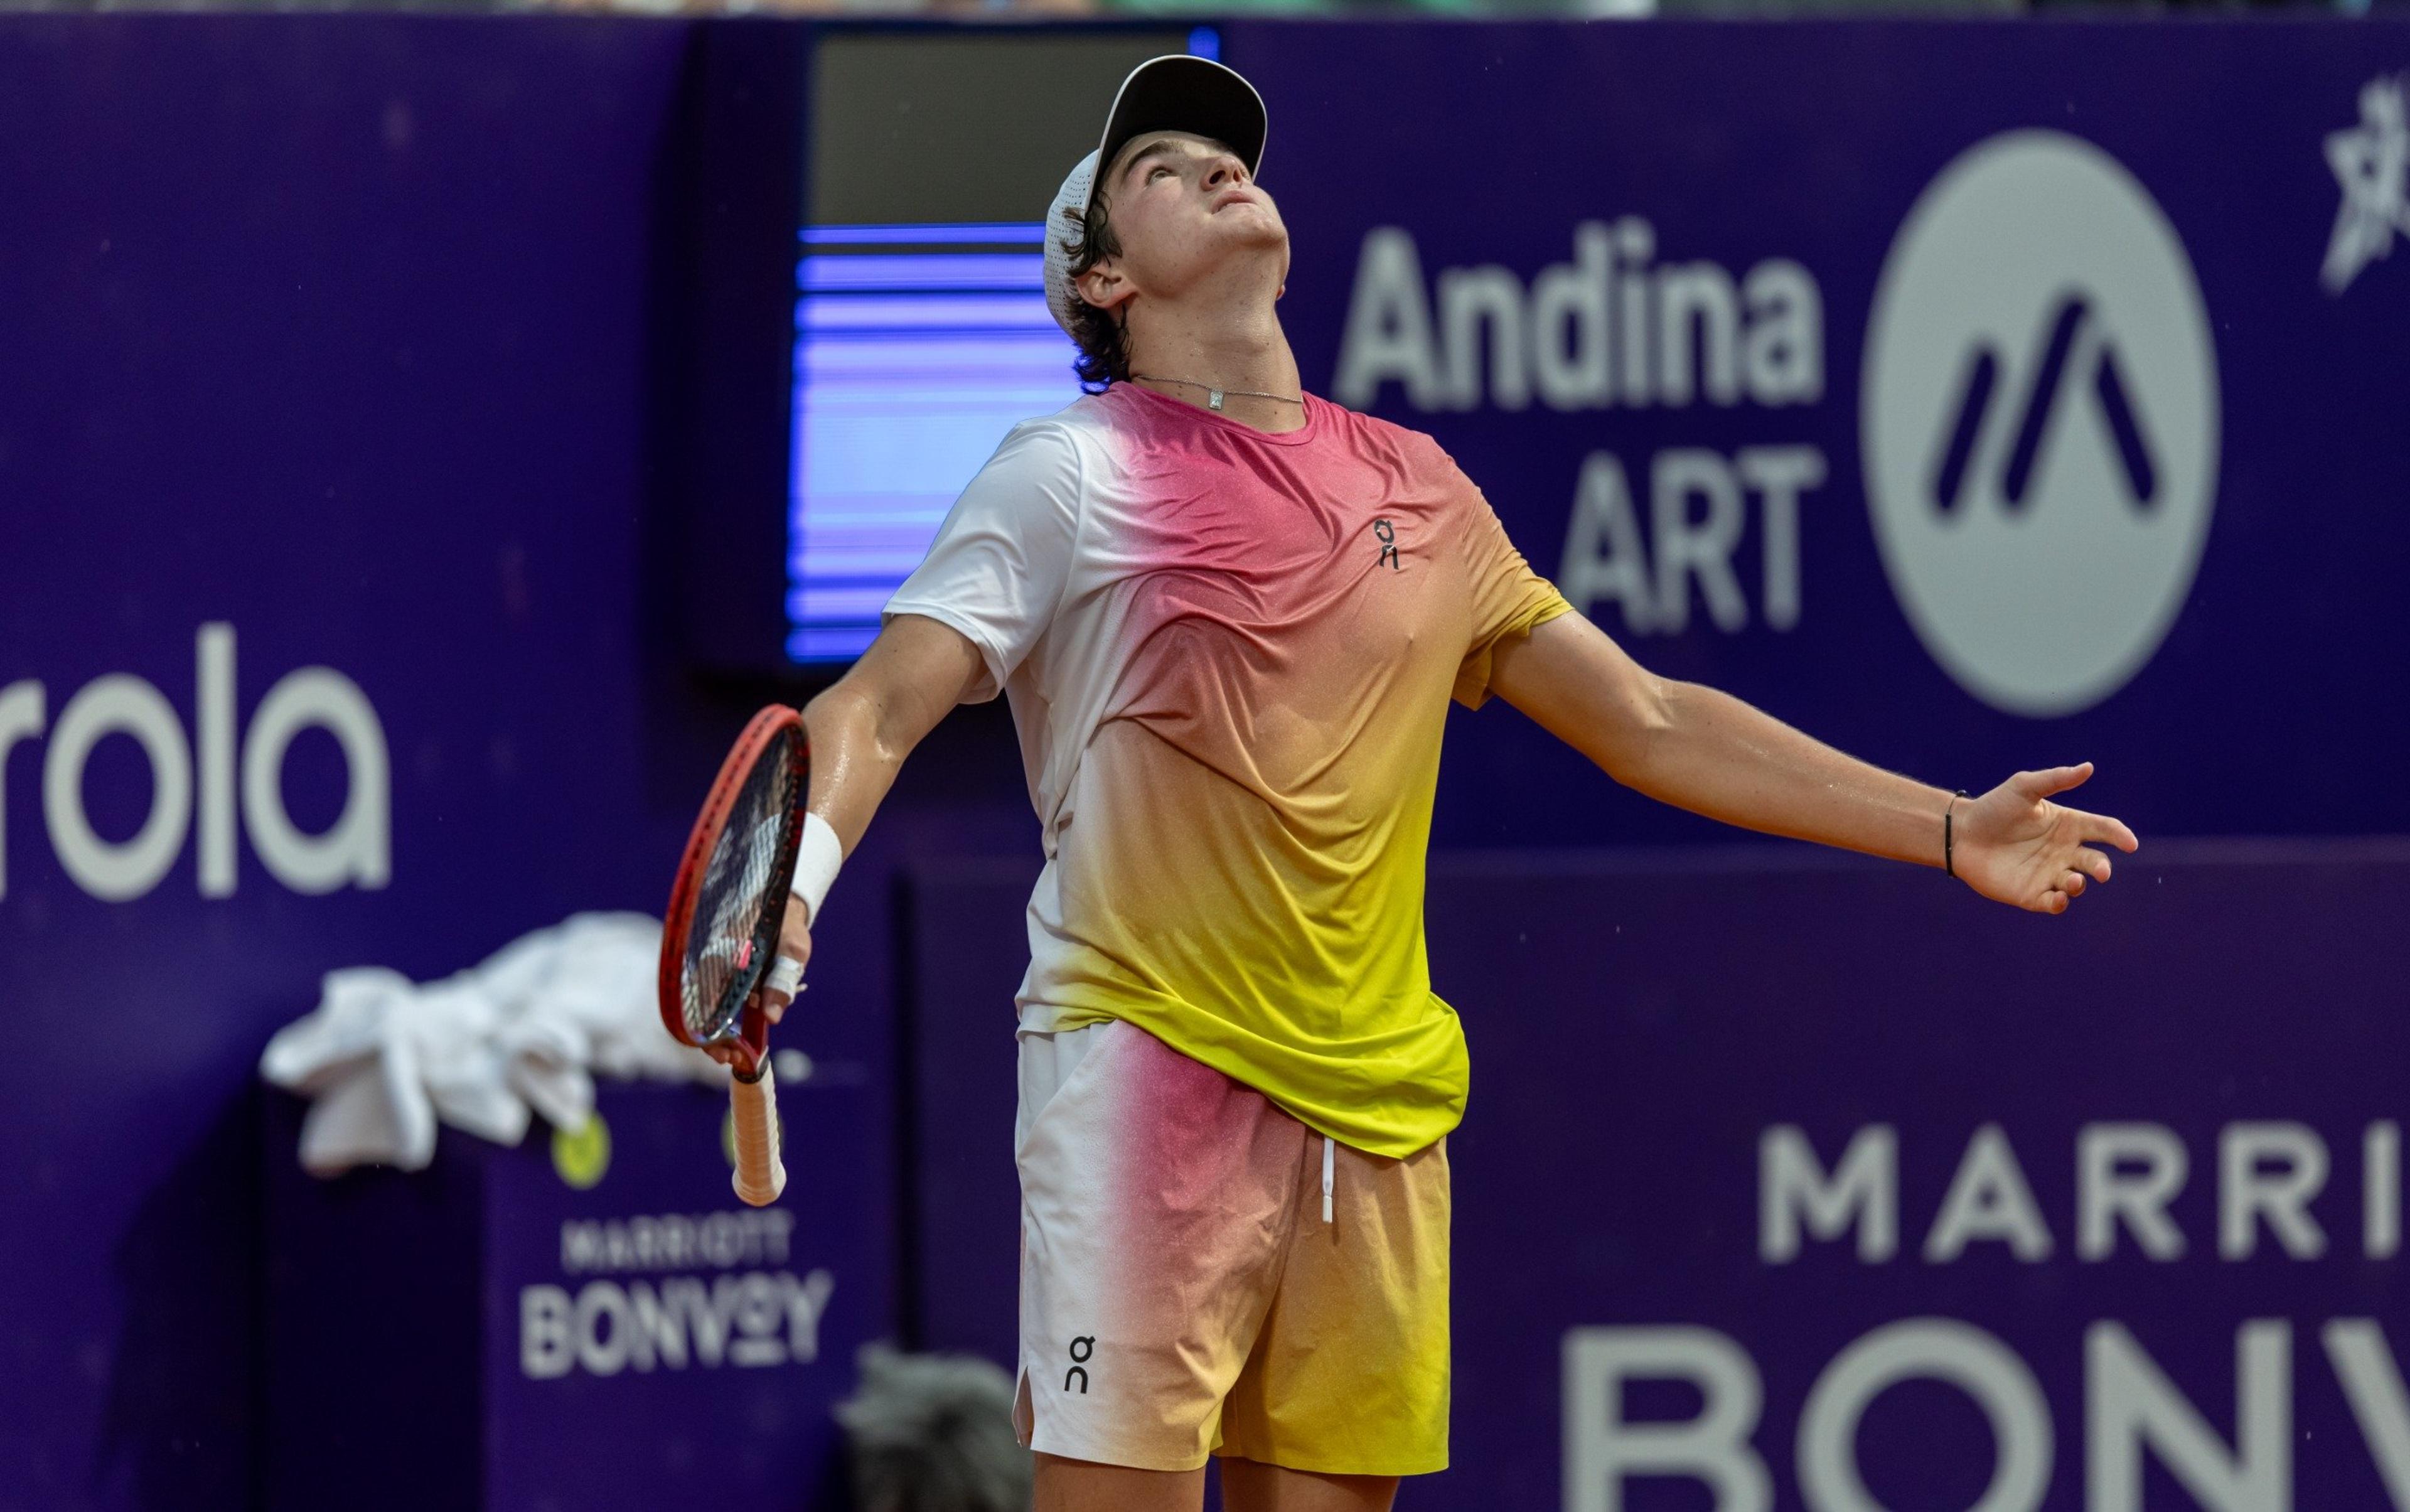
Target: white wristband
<point x="818" y="856"/>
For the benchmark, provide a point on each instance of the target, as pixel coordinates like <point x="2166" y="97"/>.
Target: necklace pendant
<point x="1213" y="399"/>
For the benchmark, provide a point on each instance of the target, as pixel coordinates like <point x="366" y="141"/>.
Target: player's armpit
<point x="1582" y="687"/>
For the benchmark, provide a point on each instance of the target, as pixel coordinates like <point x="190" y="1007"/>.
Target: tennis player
<point x="1229" y="616"/>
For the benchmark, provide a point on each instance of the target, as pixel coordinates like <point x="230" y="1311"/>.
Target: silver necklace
<point x="1214" y="395"/>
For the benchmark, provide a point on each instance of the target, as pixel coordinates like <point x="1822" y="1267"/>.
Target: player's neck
<point x="1232" y="344"/>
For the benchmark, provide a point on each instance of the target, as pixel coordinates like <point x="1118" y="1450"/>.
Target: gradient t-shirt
<point x="1229" y="656"/>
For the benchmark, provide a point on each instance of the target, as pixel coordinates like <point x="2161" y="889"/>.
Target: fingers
<point x="2041" y="784"/>
<point x="795" y="937"/>
<point x="2091" y="866"/>
<point x="2101" y="827"/>
<point x="795" y="944"/>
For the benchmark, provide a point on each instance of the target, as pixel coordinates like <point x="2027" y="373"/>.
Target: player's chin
<point x="1245" y="223"/>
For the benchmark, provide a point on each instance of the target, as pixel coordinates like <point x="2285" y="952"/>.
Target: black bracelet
<point x="1949" y="863"/>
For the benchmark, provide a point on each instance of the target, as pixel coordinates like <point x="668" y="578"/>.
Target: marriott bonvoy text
<point x="2275" y="1194"/>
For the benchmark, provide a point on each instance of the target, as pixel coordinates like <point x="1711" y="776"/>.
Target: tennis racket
<point x="722" y="931"/>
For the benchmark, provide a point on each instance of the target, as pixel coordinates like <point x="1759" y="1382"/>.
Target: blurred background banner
<point x="586" y="1321"/>
<point x="409" y="445"/>
<point x="323" y="437"/>
<point x="1971" y="395"/>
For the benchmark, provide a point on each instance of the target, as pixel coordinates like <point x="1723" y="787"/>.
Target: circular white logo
<point x="2039" y="422"/>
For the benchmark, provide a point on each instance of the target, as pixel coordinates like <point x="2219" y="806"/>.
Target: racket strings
<point x="729" y="946"/>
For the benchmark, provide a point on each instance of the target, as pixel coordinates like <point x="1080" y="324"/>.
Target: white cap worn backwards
<point x="1174" y="92"/>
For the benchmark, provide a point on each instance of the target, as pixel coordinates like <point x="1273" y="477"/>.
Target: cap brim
<point x="1179" y="93"/>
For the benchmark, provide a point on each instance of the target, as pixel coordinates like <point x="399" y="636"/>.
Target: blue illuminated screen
<point x="916" y="346"/>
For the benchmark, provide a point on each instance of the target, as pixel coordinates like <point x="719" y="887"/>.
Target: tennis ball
<point x="581" y="1158"/>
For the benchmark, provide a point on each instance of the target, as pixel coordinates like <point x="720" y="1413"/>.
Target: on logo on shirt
<point x="1387" y="534"/>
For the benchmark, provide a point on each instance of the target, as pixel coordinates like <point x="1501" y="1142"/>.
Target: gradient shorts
<point x="1182" y="1292"/>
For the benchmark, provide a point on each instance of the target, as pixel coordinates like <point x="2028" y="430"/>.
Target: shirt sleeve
<point x="998" y="566"/>
<point x="1509" y="599"/>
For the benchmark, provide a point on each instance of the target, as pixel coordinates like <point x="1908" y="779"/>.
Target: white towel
<point x="520" y="1034"/>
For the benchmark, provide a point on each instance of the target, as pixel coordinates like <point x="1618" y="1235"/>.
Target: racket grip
<point x="761" y="1175"/>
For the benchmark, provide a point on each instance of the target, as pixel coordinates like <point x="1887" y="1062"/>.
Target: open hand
<point x="794" y="939"/>
<point x="2014" y="844"/>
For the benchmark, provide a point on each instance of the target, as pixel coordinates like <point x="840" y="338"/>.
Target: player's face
<point x="1181" y="206"/>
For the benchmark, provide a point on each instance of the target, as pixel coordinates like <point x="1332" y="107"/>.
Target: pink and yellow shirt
<point x="1229" y="656"/>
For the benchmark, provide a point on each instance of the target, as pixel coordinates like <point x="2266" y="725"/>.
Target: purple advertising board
<point x="1841" y="1185"/>
<point x="1796" y="1183"/>
<point x="584" y="1321"/>
<point x="1970" y="394"/>
<point x="326" y="639"/>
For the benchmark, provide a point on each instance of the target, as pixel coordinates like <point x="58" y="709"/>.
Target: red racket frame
<point x="752" y="1040"/>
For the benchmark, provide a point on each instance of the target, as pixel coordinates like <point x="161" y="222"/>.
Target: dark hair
<point x="1104" y="344"/>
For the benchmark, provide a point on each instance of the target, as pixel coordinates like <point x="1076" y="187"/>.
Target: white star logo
<point x="2371" y="162"/>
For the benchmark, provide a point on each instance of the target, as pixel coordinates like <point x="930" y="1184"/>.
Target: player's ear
<point x="1103" y="286"/>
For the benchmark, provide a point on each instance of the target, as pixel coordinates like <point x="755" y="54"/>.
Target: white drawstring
<point x="1330" y="1166"/>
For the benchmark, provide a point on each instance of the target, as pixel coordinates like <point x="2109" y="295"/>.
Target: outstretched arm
<point x="1709" y="752"/>
<point x="863" y="727"/>
<point x="868" y="720"/>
